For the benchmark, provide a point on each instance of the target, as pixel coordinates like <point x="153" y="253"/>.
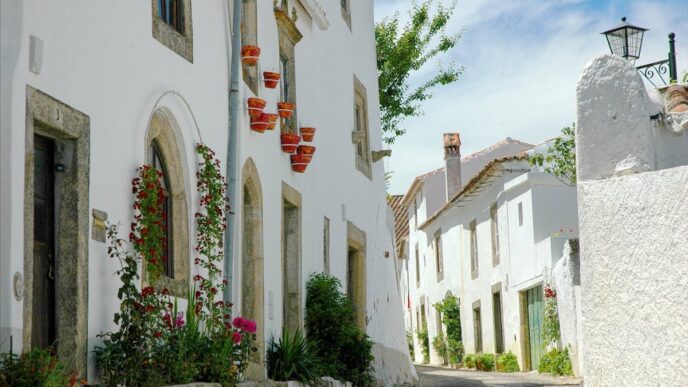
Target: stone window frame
<point x="417" y="266"/>
<point x="345" y="6"/>
<point x="473" y="245"/>
<point x="326" y="245"/>
<point x="288" y="36"/>
<point x="439" y="259"/>
<point x="292" y="198"/>
<point x="162" y="131"/>
<point x="181" y="43"/>
<point x="253" y="303"/>
<point x="52" y="118"/>
<point x="360" y="135"/>
<point x="356" y="240"/>
<point x="477" y="330"/>
<point x="249" y="36"/>
<point x="494" y="230"/>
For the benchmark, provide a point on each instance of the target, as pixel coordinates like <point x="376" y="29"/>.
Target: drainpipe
<point x="232" y="157"/>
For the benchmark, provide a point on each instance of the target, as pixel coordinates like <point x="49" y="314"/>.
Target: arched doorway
<point x="252" y="262"/>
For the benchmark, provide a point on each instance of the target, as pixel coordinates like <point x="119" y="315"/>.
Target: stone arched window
<point x="163" y="152"/>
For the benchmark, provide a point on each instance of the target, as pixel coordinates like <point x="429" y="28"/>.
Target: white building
<point x="96" y="89"/>
<point x="632" y="162"/>
<point x="498" y="239"/>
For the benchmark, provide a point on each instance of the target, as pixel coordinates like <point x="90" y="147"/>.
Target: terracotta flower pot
<point x="306" y="150"/>
<point x="260" y="124"/>
<point x="299" y="163"/>
<point x="250" y="54"/>
<point x="272" y="119"/>
<point x="271" y="79"/>
<point x="290" y="142"/>
<point x="285" y="109"/>
<point x="307" y="133"/>
<point x="255" y="107"/>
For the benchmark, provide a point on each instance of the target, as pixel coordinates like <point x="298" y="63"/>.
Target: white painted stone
<point x="564" y="277"/>
<point x="631" y="164"/>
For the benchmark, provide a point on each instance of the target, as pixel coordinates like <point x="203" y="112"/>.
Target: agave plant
<point x="293" y="357"/>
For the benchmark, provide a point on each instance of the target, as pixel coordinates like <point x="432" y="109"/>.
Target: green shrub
<point x="36" y="368"/>
<point x="409" y="338"/>
<point x="293" y="357"/>
<point x="424" y="341"/>
<point x="345" y="349"/>
<point x="469" y="361"/>
<point x="485" y="362"/>
<point x="507" y="362"/>
<point x="440" y="345"/>
<point x="556" y="362"/>
<point x="451" y="318"/>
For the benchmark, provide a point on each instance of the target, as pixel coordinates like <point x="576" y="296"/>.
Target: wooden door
<point x="535" y="311"/>
<point x="44" y="269"/>
<point x="498" y="325"/>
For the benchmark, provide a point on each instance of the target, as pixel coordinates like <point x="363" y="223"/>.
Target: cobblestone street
<point x="435" y="376"/>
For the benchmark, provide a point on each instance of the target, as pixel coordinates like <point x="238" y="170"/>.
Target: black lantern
<point x="625" y="40"/>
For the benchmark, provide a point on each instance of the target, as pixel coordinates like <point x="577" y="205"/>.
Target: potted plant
<point x="300" y="162"/>
<point x="272" y="120"/>
<point x="255" y="107"/>
<point x="306" y="150"/>
<point x="307" y="133"/>
<point x="260" y="124"/>
<point x="289" y="142"/>
<point x="250" y="54"/>
<point x="285" y="109"/>
<point x="271" y="79"/>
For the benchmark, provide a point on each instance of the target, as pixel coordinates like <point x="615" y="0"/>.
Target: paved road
<point x="434" y="376"/>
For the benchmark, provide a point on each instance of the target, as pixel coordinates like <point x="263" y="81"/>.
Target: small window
<point x="477" y="329"/>
<point x="359" y="135"/>
<point x="474" y="249"/>
<point x="520" y="213"/>
<point x="417" y="267"/>
<point x="172" y="26"/>
<point x="159" y="165"/>
<point x="495" y="234"/>
<point x="288" y="37"/>
<point x="438" y="255"/>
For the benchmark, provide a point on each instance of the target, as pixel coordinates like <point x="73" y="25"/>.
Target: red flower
<point x="238" y="322"/>
<point x="236" y="337"/>
<point x="250" y="326"/>
<point x="157" y="334"/>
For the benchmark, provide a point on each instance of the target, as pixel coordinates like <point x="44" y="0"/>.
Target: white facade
<point x="106" y="64"/>
<point x="633" y="206"/>
<point x="536" y="214"/>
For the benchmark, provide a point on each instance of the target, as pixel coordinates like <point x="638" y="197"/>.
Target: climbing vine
<point x="550" y="323"/>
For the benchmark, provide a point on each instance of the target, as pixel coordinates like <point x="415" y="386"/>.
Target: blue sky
<point x="521" y="59"/>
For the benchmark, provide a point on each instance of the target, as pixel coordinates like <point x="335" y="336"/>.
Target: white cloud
<point x="522" y="61"/>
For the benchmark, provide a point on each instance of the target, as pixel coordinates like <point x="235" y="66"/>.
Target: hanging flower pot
<point x="271" y="79"/>
<point x="306" y="150"/>
<point x="260" y="124"/>
<point x="255" y="107"/>
<point x="272" y="120"/>
<point x="307" y="133"/>
<point x="250" y="54"/>
<point x="299" y="163"/>
<point x="289" y="142"/>
<point x="285" y="109"/>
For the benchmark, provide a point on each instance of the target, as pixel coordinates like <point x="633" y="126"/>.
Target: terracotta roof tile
<point x="400" y="218"/>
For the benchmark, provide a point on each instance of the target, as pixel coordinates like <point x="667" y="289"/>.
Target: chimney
<point x="452" y="160"/>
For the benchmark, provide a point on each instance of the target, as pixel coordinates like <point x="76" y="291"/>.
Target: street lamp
<point x="626" y="40"/>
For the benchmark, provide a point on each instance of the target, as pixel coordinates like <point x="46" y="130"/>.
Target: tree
<point x="400" y="53"/>
<point x="560" y="159"/>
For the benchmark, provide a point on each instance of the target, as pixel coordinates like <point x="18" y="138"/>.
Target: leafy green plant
<point x="292" y="357"/>
<point x="345" y="349"/>
<point x="403" y="51"/>
<point x="560" y="158"/>
<point x="424" y="340"/>
<point x="409" y="339"/>
<point x="451" y="318"/>
<point x="439" y="344"/>
<point x="556" y="362"/>
<point x="469" y="360"/>
<point x="507" y="362"/>
<point x="39" y="367"/>
<point x="485" y="362"/>
<point x="550" y="321"/>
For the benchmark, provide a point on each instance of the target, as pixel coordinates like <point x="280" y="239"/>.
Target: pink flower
<point x="250" y="326"/>
<point x="236" y="337"/>
<point x="239" y="322"/>
<point x="179" y="321"/>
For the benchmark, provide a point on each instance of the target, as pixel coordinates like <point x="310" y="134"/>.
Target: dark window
<point x="498" y="325"/>
<point x="478" y="330"/>
<point x="159" y="164"/>
<point x="494" y="224"/>
<point x="438" y="255"/>
<point x="172" y="12"/>
<point x="474" y="249"/>
<point x="417" y="267"/>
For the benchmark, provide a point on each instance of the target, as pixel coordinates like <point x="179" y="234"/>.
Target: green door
<point x="535" y="309"/>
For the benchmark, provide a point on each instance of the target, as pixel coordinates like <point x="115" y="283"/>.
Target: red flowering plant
<point x="550" y="321"/>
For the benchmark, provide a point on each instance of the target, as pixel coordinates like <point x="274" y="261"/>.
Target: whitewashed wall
<point x="633" y="206"/>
